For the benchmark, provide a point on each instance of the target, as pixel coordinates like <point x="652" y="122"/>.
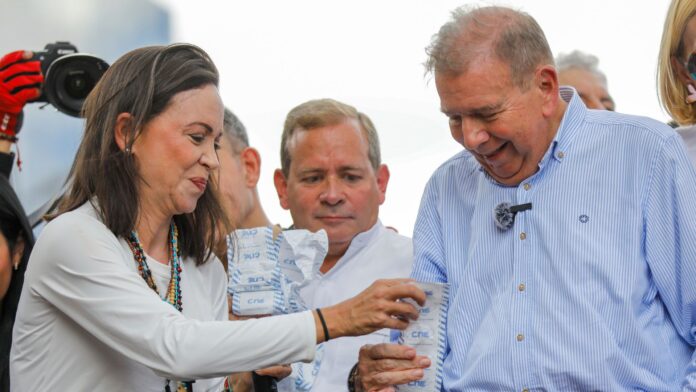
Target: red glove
<point x="20" y="81"/>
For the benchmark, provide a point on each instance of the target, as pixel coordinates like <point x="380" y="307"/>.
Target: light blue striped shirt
<point x="592" y="289"/>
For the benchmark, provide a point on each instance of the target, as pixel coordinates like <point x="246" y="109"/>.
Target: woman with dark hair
<point x="16" y="243"/>
<point x="122" y="291"/>
<point x="18" y="81"/>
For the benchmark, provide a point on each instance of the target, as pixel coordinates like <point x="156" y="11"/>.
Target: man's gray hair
<point x="580" y="60"/>
<point x="514" y="37"/>
<point x="235" y="131"/>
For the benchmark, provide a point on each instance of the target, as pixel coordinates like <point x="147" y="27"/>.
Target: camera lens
<point x="78" y="84"/>
<point x="70" y="79"/>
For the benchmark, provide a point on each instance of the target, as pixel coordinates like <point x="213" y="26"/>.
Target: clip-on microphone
<point x="504" y="214"/>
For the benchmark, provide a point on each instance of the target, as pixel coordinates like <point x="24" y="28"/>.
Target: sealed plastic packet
<point x="427" y="335"/>
<point x="268" y="266"/>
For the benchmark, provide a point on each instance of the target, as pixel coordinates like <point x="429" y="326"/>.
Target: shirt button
<point x="520" y="337"/>
<point x="560" y="154"/>
<point x="521" y="287"/>
<point x="526" y="186"/>
<point x="523" y="235"/>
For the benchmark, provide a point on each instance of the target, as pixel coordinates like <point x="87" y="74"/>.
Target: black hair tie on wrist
<point x="323" y="325"/>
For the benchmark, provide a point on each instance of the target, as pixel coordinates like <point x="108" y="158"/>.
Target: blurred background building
<point x="106" y="29"/>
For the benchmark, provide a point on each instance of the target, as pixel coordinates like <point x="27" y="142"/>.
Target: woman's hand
<point x="375" y="308"/>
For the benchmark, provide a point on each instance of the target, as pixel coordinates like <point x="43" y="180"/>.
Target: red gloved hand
<point x="20" y="81"/>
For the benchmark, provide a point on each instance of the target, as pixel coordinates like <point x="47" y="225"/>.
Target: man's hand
<point x="382" y="366"/>
<point x="278" y="372"/>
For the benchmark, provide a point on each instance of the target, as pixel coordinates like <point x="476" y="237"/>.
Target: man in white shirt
<point x="332" y="178"/>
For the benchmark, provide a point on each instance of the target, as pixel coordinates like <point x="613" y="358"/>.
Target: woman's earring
<point x="691" y="98"/>
<point x="16" y="266"/>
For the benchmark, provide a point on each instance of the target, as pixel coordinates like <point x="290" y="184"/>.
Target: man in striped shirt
<point x="590" y="285"/>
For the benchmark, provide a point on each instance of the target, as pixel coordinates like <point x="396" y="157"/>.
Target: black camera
<point x="69" y="76"/>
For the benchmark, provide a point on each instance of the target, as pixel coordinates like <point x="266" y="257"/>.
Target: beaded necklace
<point x="173" y="291"/>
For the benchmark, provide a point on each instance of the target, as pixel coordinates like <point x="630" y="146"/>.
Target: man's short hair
<point x="235" y="131"/>
<point x="583" y="61"/>
<point x="514" y="37"/>
<point x="324" y="112"/>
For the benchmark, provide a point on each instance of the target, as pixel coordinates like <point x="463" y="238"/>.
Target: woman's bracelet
<point x="9" y="138"/>
<point x="323" y="325"/>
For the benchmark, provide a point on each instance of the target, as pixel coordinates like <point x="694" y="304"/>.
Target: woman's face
<point x="176" y="151"/>
<point x="688" y="47"/>
<point x="8" y="259"/>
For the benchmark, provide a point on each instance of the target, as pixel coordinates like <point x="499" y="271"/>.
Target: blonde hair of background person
<point x="672" y="76"/>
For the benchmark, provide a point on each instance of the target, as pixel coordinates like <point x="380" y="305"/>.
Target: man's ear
<point x="382" y="182"/>
<point x="123" y="130"/>
<point x="546" y="81"/>
<point x="281" y="185"/>
<point x="681" y="71"/>
<point x="251" y="162"/>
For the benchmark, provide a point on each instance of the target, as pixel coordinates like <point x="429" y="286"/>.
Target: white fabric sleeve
<point x="79" y="268"/>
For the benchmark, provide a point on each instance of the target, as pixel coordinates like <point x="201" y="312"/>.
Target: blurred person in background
<point x="579" y="70"/>
<point x="676" y="70"/>
<point x="20" y="81"/>
<point x="240" y="169"/>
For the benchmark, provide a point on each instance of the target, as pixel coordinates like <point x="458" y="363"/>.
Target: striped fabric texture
<point x="594" y="288"/>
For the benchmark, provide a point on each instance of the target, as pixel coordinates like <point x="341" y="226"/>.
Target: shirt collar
<point x="358" y="243"/>
<point x="570" y="124"/>
<point x="567" y="129"/>
<point x="361" y="239"/>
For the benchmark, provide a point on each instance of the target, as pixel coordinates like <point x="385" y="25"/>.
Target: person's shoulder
<point x="393" y="236"/>
<point x="688" y="134"/>
<point x="86" y="214"/>
<point x="397" y="243"/>
<point x="83" y="219"/>
<point x="639" y="128"/>
<point x="71" y="237"/>
<point x="460" y="164"/>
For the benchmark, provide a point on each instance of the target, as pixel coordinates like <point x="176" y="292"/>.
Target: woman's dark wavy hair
<point x="13" y="225"/>
<point x="142" y="82"/>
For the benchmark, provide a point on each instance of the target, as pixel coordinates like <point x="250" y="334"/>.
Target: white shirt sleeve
<point x="78" y="268"/>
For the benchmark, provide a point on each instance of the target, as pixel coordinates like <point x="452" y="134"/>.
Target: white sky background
<point x="273" y="55"/>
